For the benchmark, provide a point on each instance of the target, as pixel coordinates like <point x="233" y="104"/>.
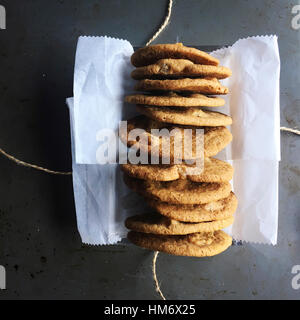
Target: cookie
<point x="156" y="172"/>
<point x="172" y="99"/>
<point x="157" y="224"/>
<point x="177" y="68"/>
<point x="215" y="210"/>
<point x="213" y="170"/>
<point x="215" y="139"/>
<point x="150" y="54"/>
<point x="180" y="191"/>
<point x="205" y="86"/>
<point x="189" y="116"/>
<point x="193" y="245"/>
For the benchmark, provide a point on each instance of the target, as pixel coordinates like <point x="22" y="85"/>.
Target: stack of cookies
<point x="189" y="210"/>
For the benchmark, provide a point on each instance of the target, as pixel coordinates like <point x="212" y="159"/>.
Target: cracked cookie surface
<point x="204" y="86"/>
<point x="194" y="245"/>
<point x="172" y="99"/>
<point x="215" y="210"/>
<point x="150" y="54"/>
<point x="179" y="191"/>
<point x="157" y="224"/>
<point x="176" y="68"/>
<point x="149" y="141"/>
<point x="211" y="170"/>
<point x="190" y="116"/>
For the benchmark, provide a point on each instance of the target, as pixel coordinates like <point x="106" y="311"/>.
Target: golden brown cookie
<point x="157" y="224"/>
<point x="150" y="54"/>
<point x="193" y="245"/>
<point x="215" y="139"/>
<point x="156" y="172"/>
<point x="213" y="170"/>
<point x="216" y="210"/>
<point x="177" y="68"/>
<point x="189" y="116"/>
<point x="206" y="86"/>
<point x="180" y="191"/>
<point x="170" y="99"/>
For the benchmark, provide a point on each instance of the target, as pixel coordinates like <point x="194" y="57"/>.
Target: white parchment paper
<point x="102" y="78"/>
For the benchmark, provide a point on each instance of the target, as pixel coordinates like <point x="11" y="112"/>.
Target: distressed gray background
<point x="39" y="243"/>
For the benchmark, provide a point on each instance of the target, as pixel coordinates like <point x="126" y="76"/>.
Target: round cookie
<point x="215" y="139"/>
<point x="190" y="116"/>
<point x="170" y="99"/>
<point x="206" y="86"/>
<point x="180" y="191"/>
<point x="213" y="170"/>
<point x="176" y="68"/>
<point x="150" y="54"/>
<point x="215" y="210"/>
<point x="157" y="224"/>
<point x="193" y="245"/>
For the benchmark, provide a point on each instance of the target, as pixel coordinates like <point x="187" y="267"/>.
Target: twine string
<point x="157" y="286"/>
<point x="164" y="24"/>
<point x="295" y="131"/>
<point x="33" y="166"/>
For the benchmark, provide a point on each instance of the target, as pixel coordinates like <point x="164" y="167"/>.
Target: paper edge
<point x="242" y="39"/>
<point x="105" y="37"/>
<point x="112" y="243"/>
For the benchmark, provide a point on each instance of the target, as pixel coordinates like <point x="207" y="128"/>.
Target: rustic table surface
<point x="39" y="243"/>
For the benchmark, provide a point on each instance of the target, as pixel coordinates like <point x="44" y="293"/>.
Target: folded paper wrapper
<point x="102" y="79"/>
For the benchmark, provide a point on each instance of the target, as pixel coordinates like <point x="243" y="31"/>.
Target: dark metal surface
<point x="39" y="243"/>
